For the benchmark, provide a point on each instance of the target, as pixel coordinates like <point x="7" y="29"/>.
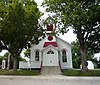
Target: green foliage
<point x="94" y="40"/>
<point x="5" y="57"/>
<point x="80" y="14"/>
<point x="1" y="58"/>
<point x="18" y="25"/>
<point x="84" y="17"/>
<point x="76" y="56"/>
<point x="21" y="59"/>
<point x="27" y="53"/>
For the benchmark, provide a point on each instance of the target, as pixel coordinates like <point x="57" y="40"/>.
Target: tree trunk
<point x="83" y="58"/>
<point x="82" y="50"/>
<point x="8" y="64"/>
<point x="15" y="62"/>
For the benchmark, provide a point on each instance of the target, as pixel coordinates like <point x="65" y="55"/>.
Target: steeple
<point x="49" y="30"/>
<point x="50" y="39"/>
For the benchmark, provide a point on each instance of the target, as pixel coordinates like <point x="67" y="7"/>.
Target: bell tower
<point x="50" y="52"/>
<point x="49" y="33"/>
<point x="50" y="38"/>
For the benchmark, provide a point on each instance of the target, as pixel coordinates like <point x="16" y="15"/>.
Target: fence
<point x="29" y="64"/>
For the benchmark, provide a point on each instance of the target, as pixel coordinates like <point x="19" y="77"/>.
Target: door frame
<point x="46" y="57"/>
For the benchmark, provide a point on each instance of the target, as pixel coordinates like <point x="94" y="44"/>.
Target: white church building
<point x="51" y="51"/>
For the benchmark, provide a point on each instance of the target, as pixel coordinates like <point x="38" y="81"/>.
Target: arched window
<point x="50" y="52"/>
<point x="37" y="55"/>
<point x="64" y="55"/>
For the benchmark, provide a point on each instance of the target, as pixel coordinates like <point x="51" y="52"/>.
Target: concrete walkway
<point x="48" y="80"/>
<point x="51" y="70"/>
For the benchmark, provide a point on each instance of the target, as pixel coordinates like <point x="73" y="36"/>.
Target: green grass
<point x="64" y="72"/>
<point x="20" y="72"/>
<point x="80" y="73"/>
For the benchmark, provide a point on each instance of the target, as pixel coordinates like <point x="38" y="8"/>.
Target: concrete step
<point x="50" y="70"/>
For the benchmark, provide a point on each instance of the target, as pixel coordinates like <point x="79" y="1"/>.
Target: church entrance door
<point x="50" y="58"/>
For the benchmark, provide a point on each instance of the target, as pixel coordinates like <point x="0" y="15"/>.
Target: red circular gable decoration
<point x="50" y="38"/>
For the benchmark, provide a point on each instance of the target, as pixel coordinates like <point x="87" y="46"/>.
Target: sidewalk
<point x="48" y="80"/>
<point x="49" y="77"/>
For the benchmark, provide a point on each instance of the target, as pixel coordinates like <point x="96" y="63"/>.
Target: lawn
<point x="80" y="73"/>
<point x="64" y="72"/>
<point x="20" y="72"/>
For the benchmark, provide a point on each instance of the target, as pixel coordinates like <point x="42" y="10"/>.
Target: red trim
<point x="50" y="43"/>
<point x="50" y="38"/>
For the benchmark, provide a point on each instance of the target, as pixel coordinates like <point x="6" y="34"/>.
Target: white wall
<point x="64" y="45"/>
<point x="90" y="65"/>
<point x="34" y="47"/>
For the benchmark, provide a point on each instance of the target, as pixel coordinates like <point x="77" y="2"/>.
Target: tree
<point x="18" y="26"/>
<point x="82" y="15"/>
<point x="9" y="60"/>
<point x="27" y="53"/>
<point x="1" y="58"/>
<point x="76" y="54"/>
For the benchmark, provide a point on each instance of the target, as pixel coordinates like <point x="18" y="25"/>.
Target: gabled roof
<point x="63" y="40"/>
<point x="50" y="43"/>
<point x="56" y="48"/>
